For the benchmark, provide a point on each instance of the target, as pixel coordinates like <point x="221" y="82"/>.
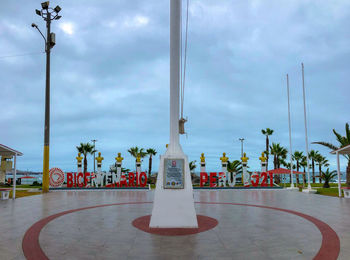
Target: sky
<point x="110" y="78"/>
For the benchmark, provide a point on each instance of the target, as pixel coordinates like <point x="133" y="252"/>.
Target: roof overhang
<point x="343" y="150"/>
<point x="7" y="151"/>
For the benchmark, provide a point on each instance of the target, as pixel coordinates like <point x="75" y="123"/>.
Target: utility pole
<point x="94" y="141"/>
<point x="241" y="139"/>
<point x="48" y="14"/>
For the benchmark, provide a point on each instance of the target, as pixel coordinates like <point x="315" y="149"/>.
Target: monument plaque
<point x="174" y="173"/>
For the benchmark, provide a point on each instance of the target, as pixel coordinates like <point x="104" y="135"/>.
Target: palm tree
<point x="298" y="157"/>
<point x="328" y="176"/>
<point x="135" y="151"/>
<point x="303" y="164"/>
<point x="313" y="156"/>
<point x="321" y="161"/>
<point x="86" y="149"/>
<point x="279" y="154"/>
<point x="192" y="166"/>
<point x="343" y="141"/>
<point x="234" y="166"/>
<point x="267" y="132"/>
<point x="151" y="152"/>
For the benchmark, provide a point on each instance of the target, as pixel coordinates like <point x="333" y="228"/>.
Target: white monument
<point x="173" y="205"/>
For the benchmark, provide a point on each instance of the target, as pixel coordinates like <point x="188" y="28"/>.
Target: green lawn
<point x="328" y="192"/>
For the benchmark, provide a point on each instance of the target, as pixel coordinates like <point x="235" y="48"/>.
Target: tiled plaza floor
<point x="243" y="232"/>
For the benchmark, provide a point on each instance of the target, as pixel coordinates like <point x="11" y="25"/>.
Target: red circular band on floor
<point x="204" y="223"/>
<point x="329" y="249"/>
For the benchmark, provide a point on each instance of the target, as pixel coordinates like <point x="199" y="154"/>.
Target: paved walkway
<point x="243" y="231"/>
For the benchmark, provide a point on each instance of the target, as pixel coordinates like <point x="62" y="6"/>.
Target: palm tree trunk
<point x="277" y="178"/>
<point x="267" y="151"/>
<point x="313" y="171"/>
<point x="348" y="175"/>
<point x="149" y="166"/>
<point x="320" y="172"/>
<point x="297" y="175"/>
<point x="85" y="164"/>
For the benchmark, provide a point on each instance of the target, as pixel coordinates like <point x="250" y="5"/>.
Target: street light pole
<point x="47" y="110"/>
<point x="241" y="139"/>
<point x="94" y="141"/>
<point x="47" y="14"/>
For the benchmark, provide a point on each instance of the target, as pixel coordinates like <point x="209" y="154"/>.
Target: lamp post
<point x="94" y="141"/>
<point x="241" y="139"/>
<point x="48" y="14"/>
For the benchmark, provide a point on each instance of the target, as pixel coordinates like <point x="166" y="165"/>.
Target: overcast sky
<point x="110" y="78"/>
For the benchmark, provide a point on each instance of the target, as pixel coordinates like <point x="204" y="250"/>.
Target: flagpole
<point x="306" y="139"/>
<point x="290" y="139"/>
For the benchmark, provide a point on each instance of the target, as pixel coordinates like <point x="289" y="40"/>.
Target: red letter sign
<point x="203" y="178"/>
<point x="213" y="178"/>
<point x="143" y="179"/>
<point x="69" y="179"/>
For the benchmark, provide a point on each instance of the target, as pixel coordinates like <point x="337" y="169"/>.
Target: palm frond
<point x="329" y="145"/>
<point x="341" y="139"/>
<point x="347" y="132"/>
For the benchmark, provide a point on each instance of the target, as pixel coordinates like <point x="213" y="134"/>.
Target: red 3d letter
<point x="255" y="176"/>
<point x="213" y="179"/>
<point x="80" y="183"/>
<point x="69" y="180"/>
<point x="86" y="175"/>
<point x="203" y="178"/>
<point x="131" y="179"/>
<point x="143" y="179"/>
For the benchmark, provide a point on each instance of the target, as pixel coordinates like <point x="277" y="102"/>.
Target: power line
<point x="24" y="54"/>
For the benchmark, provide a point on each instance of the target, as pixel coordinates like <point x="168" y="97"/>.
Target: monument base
<point x="173" y="208"/>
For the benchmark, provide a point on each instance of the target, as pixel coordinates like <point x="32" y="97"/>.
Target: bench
<point x="346" y="191"/>
<point x="5" y="193"/>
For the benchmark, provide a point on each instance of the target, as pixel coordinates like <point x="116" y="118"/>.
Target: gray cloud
<point x="110" y="77"/>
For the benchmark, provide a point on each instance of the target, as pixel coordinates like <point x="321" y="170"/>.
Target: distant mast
<point x="306" y="139"/>
<point x="290" y="139"/>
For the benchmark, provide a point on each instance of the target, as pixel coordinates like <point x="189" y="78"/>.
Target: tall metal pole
<point x="174" y="208"/>
<point x="94" y="141"/>
<point x="241" y="139"/>
<point x="290" y="138"/>
<point x="175" y="42"/>
<point x="47" y="109"/>
<point x="306" y="140"/>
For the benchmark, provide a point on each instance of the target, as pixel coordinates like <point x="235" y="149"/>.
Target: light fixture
<point x="45" y="5"/>
<point x="57" y="9"/>
<point x="38" y="12"/>
<point x="58" y="17"/>
<point x="34" y="25"/>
